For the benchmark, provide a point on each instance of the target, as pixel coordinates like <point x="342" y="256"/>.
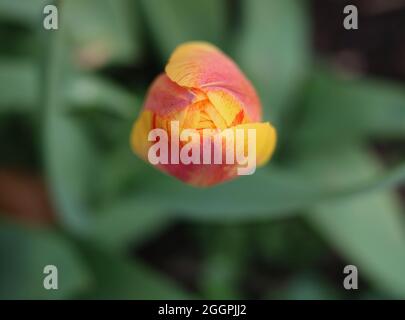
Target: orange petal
<point x="203" y="66"/>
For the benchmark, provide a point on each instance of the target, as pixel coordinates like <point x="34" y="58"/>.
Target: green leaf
<point x="103" y="31"/>
<point x="177" y="21"/>
<point x="74" y="159"/>
<point x="274" y="51"/>
<point x="367" y="229"/>
<point x="269" y="193"/>
<point x="70" y="165"/>
<point x="85" y="92"/>
<point x="23" y="255"/>
<point x="338" y="110"/>
<point x="68" y="155"/>
<point x="19" y="85"/>
<point x="119" y="278"/>
<point x="124" y="222"/>
<point x="20" y="91"/>
<point x="266" y="194"/>
<point x="25" y="12"/>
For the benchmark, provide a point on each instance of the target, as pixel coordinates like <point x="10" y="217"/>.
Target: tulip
<point x="202" y="89"/>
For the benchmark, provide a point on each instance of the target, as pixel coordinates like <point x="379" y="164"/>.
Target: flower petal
<point x="139" y="134"/>
<point x="203" y="66"/>
<point x="266" y="139"/>
<point x="204" y="175"/>
<point x="204" y="89"/>
<point x="165" y="97"/>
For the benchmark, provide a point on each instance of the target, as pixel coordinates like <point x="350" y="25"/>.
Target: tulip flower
<point x="202" y="89"/>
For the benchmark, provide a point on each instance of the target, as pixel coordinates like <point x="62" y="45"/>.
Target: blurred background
<point x="73" y="195"/>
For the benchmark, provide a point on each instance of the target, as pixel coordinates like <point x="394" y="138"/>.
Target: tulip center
<point x="200" y="115"/>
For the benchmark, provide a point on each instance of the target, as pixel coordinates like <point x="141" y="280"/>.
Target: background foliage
<point x="72" y="194"/>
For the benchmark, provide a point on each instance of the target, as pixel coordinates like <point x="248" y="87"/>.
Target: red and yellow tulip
<point x="202" y="88"/>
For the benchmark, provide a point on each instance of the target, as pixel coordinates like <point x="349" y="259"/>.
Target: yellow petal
<point x="140" y="132"/>
<point x="190" y="63"/>
<point x="266" y="139"/>
<point x="215" y="116"/>
<point x="226" y="105"/>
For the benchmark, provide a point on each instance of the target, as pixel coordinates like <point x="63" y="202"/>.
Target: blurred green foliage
<point x="325" y="198"/>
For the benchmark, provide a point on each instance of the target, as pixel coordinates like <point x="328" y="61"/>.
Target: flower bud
<point x="201" y="119"/>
